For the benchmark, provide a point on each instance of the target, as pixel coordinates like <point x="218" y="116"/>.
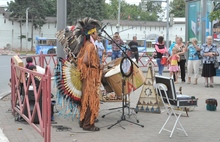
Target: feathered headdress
<point x="73" y="40"/>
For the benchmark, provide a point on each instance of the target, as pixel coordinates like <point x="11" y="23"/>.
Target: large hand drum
<point x="133" y="82"/>
<point x="109" y="66"/>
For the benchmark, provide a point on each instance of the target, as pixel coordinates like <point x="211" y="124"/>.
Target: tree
<point x="178" y="8"/>
<point x="215" y="15"/>
<point x="78" y="9"/>
<point x="132" y="12"/>
<point x="17" y="14"/>
<point x="51" y="8"/>
<point x="37" y="12"/>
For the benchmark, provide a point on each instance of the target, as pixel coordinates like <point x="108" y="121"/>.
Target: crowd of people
<point x="194" y="54"/>
<point x="179" y="54"/>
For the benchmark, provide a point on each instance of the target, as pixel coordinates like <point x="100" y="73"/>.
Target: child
<point x="29" y="61"/>
<point x="173" y="59"/>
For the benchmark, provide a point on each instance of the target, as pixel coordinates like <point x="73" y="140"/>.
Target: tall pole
<point x="167" y="30"/>
<point x="61" y="23"/>
<point x="27" y="29"/>
<point x="119" y="13"/>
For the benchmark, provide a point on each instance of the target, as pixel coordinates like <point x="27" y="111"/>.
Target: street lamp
<point x="27" y="29"/>
<point x="119" y="13"/>
<point x="167" y="9"/>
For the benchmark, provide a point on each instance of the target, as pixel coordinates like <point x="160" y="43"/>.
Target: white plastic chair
<point x="170" y="110"/>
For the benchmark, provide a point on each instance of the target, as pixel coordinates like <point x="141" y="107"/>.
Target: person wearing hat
<point x="88" y="64"/>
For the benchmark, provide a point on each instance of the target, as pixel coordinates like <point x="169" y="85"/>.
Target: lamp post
<point x="167" y="30"/>
<point x="27" y="29"/>
<point x="61" y="23"/>
<point x="119" y="13"/>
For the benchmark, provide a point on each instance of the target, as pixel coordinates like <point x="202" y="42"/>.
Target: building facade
<point x="10" y="30"/>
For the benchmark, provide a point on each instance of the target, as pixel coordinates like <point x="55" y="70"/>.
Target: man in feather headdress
<point x="78" y="43"/>
<point x="89" y="65"/>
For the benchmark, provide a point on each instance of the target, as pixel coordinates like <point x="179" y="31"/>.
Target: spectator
<point x="116" y="53"/>
<point x="209" y="53"/>
<point x="172" y="46"/>
<point x="101" y="48"/>
<point x="134" y="48"/>
<point x="181" y="51"/>
<point x="193" y="60"/>
<point x="160" y="49"/>
<point x="29" y="61"/>
<point x="174" y="68"/>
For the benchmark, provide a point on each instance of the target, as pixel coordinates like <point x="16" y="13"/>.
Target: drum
<point x="114" y="79"/>
<point x="107" y="68"/>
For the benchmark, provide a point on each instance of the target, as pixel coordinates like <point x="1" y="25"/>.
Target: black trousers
<point x="135" y="55"/>
<point x="182" y="69"/>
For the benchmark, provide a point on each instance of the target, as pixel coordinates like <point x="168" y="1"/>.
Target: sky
<point x="4" y="2"/>
<point x="130" y="1"/>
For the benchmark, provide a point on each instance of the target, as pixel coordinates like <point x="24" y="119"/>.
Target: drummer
<point x="134" y="48"/>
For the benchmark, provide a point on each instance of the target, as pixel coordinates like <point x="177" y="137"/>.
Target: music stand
<point x="126" y="68"/>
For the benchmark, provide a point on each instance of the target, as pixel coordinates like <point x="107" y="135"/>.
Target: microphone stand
<point x="123" y="116"/>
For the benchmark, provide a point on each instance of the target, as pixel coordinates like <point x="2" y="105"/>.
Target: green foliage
<point x="22" y="36"/>
<point x="215" y="15"/>
<point x="37" y="11"/>
<point x="132" y="12"/>
<point x="78" y="9"/>
<point x="51" y="8"/>
<point x="178" y="8"/>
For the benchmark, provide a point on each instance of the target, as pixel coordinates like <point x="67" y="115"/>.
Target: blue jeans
<point x="116" y="54"/>
<point x="160" y="66"/>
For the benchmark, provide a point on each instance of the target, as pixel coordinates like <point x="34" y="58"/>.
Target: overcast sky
<point x="4" y="2"/>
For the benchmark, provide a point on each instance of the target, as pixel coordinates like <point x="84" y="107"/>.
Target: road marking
<point x="3" y="138"/>
<point x="2" y="95"/>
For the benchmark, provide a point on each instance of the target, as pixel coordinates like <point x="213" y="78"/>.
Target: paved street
<point x="5" y="65"/>
<point x="201" y="125"/>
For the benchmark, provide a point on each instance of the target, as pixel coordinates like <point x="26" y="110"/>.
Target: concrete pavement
<point x="201" y="125"/>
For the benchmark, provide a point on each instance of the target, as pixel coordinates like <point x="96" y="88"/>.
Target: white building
<point x="10" y="30"/>
<point x="144" y="29"/>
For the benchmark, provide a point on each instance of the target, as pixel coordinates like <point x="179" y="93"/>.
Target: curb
<point x="2" y="95"/>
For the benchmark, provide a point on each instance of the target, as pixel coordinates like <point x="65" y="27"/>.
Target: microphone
<point x="102" y="29"/>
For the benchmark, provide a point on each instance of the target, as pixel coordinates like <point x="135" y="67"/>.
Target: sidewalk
<point x="201" y="125"/>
